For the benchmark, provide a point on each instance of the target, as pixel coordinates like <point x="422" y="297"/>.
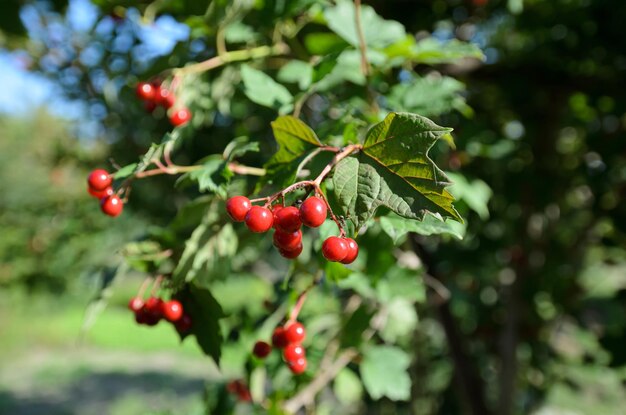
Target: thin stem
<point x="144" y="286"/>
<point x="361" y="36"/>
<point x="246" y="170"/>
<point x="156" y="286"/>
<point x="220" y="42"/>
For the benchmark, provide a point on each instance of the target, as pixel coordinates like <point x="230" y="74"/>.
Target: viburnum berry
<point x="261" y="349"/>
<point x="146" y="91"/>
<point x="293" y="352"/>
<point x="172" y="310"/>
<point x="295" y="333"/>
<point x="112" y="205"/>
<point x="237" y="207"/>
<point x="279" y="340"/>
<point x="180" y="117"/>
<point x="99" y="179"/>
<point x="287" y="241"/>
<point x="144" y="316"/>
<point x="164" y="97"/>
<point x="313" y="212"/>
<point x="99" y="194"/>
<point x="298" y="367"/>
<point x="135" y="304"/>
<point x="334" y="248"/>
<point x="154" y="306"/>
<point x="353" y="251"/>
<point x="259" y="219"/>
<point x="291" y="254"/>
<point x="275" y="208"/>
<point x="288" y="219"/>
<point x="183" y="325"/>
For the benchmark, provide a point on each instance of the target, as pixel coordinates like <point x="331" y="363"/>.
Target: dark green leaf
<point x="397" y="227"/>
<point x="125" y="171"/>
<point x="384" y="373"/>
<point x="205" y="312"/>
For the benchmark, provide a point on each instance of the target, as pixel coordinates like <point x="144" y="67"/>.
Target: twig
<point x="361" y="36"/>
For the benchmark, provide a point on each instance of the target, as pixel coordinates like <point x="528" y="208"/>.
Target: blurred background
<point x="536" y="319"/>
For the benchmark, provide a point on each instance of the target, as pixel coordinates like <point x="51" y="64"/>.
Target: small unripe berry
<point x="172" y="310"/>
<point x="145" y="91"/>
<point x="293" y="352"/>
<point x="261" y="349"/>
<point x="259" y="219"/>
<point x="112" y="205"/>
<point x="99" y="194"/>
<point x="180" y="117"/>
<point x="237" y="207"/>
<point x="287" y="241"/>
<point x="353" y="251"/>
<point x="99" y="179"/>
<point x="295" y="333"/>
<point x="313" y="212"/>
<point x="288" y="219"/>
<point x="298" y="367"/>
<point x="335" y="249"/>
<point x="279" y="340"/>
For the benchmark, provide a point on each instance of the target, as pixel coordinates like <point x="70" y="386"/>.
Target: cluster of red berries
<point x="154" y="309"/>
<point x="154" y="94"/>
<point x="99" y="182"/>
<point x="289" y="339"/>
<point x="287" y="222"/>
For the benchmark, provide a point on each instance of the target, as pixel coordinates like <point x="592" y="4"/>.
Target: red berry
<point x="335" y="248"/>
<point x="164" y="97"/>
<point x="288" y="219"/>
<point x="145" y="91"/>
<point x="287" y="241"/>
<point x="172" y="310"/>
<point x="313" y="212"/>
<point x="353" y="251"/>
<point x="261" y="349"/>
<point x="112" y="205"/>
<point x="99" y="194"/>
<point x="291" y="254"/>
<point x="279" y="339"/>
<point x="99" y="179"/>
<point x="149" y="106"/>
<point x="259" y="219"/>
<point x="237" y="207"/>
<point x="180" y="117"/>
<point x="145" y="316"/>
<point x="184" y="324"/>
<point x="275" y="208"/>
<point x="298" y="367"/>
<point x="293" y="352"/>
<point x="154" y="306"/>
<point x="295" y="333"/>
<point x="135" y="304"/>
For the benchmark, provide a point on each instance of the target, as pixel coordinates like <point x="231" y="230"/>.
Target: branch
<point x="362" y="44"/>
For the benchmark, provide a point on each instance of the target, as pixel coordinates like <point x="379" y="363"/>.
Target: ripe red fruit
<point x="259" y="219"/>
<point x="99" y="194"/>
<point x="144" y="316"/>
<point x="287" y="241"/>
<point x="135" y="304"/>
<point x="164" y="97"/>
<point x="275" y="208"/>
<point x="112" y="205"/>
<point x="353" y="251"/>
<point x="313" y="212"/>
<point x="237" y="207"/>
<point x="184" y="324"/>
<point x="99" y="179"/>
<point x="180" y="117"/>
<point x="145" y="91"/>
<point x="172" y="310"/>
<point x="261" y="349"/>
<point x="298" y="367"/>
<point x="291" y="254"/>
<point x="154" y="306"/>
<point x="279" y="340"/>
<point x="288" y="219"/>
<point x="293" y="352"/>
<point x="295" y="333"/>
<point x="334" y="248"/>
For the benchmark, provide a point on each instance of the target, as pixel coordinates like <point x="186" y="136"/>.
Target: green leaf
<point x="239" y="147"/>
<point x="295" y="140"/>
<point x="384" y="373"/>
<point x="475" y="193"/>
<point x="347" y="387"/>
<point x="263" y="90"/>
<point x="205" y="312"/>
<point x="397" y="227"/>
<point x="324" y="43"/>
<point x="125" y="171"/>
<point x="377" y="31"/>
<point x="393" y="170"/>
<point x="213" y="176"/>
<point x="401" y="320"/>
<point x="432" y="51"/>
<point x="428" y="95"/>
<point x="295" y="71"/>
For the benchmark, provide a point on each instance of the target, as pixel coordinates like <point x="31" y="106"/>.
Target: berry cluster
<point x="289" y="339"/>
<point x="287" y="222"/>
<point x="154" y="95"/>
<point x="99" y="182"/>
<point x="154" y="309"/>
